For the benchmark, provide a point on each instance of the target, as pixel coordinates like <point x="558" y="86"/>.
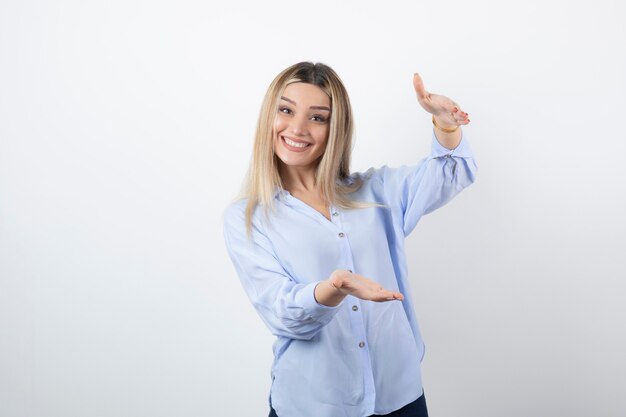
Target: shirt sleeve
<point x="413" y="191"/>
<point x="287" y="307"/>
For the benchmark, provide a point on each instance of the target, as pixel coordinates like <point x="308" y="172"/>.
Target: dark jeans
<point x="415" y="409"/>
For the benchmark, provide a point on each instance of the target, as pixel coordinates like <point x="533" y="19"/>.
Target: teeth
<point x="295" y="144"/>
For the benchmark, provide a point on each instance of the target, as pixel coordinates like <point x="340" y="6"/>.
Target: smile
<point x="293" y="145"/>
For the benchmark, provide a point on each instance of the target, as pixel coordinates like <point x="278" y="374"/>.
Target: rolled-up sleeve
<point x="413" y="191"/>
<point x="287" y="307"/>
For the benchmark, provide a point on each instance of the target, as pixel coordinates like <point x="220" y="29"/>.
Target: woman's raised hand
<point x="358" y="286"/>
<point x="448" y="112"/>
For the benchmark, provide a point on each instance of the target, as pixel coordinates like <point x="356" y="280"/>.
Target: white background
<point x="126" y="128"/>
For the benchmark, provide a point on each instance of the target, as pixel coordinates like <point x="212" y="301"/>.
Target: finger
<point x="460" y="117"/>
<point x="418" y="84"/>
<point x="457" y="111"/>
<point x="396" y="296"/>
<point x="380" y="294"/>
<point x="385" y="295"/>
<point x="390" y="299"/>
<point x="455" y="115"/>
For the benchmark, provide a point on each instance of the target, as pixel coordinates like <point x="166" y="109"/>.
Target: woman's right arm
<point x="289" y="308"/>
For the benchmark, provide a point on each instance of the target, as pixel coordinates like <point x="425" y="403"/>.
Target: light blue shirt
<point x="361" y="357"/>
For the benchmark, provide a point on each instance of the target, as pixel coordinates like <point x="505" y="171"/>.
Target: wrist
<point x="335" y="282"/>
<point x="443" y="124"/>
<point x="327" y="293"/>
<point x="338" y="278"/>
<point x="442" y="121"/>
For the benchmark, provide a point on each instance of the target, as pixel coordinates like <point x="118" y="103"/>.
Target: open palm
<point x="361" y="287"/>
<point x="445" y="109"/>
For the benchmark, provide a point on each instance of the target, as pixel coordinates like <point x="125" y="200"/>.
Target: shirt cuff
<point x="313" y="309"/>
<point x="462" y="150"/>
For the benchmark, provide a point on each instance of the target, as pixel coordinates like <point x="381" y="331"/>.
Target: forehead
<point x="306" y="94"/>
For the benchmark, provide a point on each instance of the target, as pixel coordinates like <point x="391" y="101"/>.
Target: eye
<point x="285" y="110"/>
<point x="318" y="118"/>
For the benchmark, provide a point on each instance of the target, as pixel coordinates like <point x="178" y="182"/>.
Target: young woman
<point x="320" y="250"/>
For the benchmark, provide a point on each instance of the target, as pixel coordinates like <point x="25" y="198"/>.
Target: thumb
<point x="418" y="84"/>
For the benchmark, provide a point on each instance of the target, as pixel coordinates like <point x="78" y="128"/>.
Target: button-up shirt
<point x="360" y="357"/>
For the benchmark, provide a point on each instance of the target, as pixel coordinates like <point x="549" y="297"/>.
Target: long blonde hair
<point x="263" y="178"/>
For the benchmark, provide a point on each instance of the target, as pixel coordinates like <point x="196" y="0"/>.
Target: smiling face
<point x="301" y="126"/>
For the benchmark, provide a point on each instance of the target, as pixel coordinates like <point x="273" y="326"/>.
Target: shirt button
<point x="341" y="234"/>
<point x="362" y="344"/>
<point x="355" y="308"/>
<point x="447" y="156"/>
<point x="335" y="213"/>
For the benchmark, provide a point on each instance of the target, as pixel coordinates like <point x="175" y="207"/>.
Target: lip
<point x="293" y="148"/>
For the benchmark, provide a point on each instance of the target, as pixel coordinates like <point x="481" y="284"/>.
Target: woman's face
<point x="302" y="124"/>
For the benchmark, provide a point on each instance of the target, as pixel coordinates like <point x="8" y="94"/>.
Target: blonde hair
<point x="263" y="178"/>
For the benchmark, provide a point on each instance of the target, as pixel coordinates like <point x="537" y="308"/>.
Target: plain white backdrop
<point x="126" y="128"/>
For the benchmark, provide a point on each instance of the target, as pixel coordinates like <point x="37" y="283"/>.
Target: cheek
<point x="322" y="134"/>
<point x="279" y="124"/>
<point x="276" y="128"/>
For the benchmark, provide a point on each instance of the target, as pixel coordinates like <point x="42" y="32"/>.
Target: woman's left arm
<point x="416" y="190"/>
<point x="447" y="115"/>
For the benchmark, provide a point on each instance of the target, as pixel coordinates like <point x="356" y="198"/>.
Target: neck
<point x="297" y="178"/>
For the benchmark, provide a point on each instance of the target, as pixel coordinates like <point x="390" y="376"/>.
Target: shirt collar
<point x="282" y="193"/>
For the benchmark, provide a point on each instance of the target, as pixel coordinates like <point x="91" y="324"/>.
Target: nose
<point x="298" y="125"/>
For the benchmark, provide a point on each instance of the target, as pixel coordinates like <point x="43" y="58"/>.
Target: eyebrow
<point x="312" y="107"/>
